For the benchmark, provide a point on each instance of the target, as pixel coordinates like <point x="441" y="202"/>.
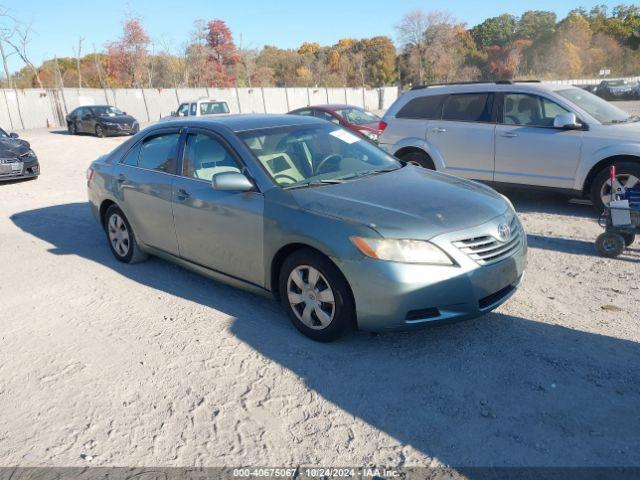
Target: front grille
<point x="487" y="249"/>
<point x="8" y="160"/>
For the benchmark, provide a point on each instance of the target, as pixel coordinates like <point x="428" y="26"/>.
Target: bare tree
<point x="7" y="30"/>
<point x="19" y="45"/>
<point x="98" y="67"/>
<point x="78" y="54"/>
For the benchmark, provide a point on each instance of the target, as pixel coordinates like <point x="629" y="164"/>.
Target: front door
<point x="145" y="179"/>
<point x="219" y="230"/>
<point x="464" y="137"/>
<point x="529" y="150"/>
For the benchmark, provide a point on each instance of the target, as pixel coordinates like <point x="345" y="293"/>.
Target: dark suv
<point x="101" y="120"/>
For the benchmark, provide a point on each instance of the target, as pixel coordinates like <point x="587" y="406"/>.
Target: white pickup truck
<point x="200" y="107"/>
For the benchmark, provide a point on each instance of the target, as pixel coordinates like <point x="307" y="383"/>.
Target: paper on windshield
<point x="345" y="136"/>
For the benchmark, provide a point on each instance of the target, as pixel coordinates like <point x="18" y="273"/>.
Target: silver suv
<point x="523" y="133"/>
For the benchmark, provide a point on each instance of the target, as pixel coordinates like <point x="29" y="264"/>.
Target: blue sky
<point x="284" y="23"/>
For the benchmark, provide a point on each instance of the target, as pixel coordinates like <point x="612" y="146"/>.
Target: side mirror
<point x="566" y="121"/>
<point x="231" y="182"/>
<point x="14" y="135"/>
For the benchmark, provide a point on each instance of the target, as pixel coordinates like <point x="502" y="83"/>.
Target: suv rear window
<point x="424" y="108"/>
<point x="468" y="107"/>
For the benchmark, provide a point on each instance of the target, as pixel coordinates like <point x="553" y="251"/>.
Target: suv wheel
<point x="122" y="240"/>
<point x="419" y="159"/>
<point x="73" y="128"/>
<point x="627" y="176"/>
<point x="316" y="296"/>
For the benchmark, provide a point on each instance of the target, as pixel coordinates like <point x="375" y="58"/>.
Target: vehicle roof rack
<point x="476" y="82"/>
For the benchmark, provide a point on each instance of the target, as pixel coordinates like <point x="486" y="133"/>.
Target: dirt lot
<point x="108" y="364"/>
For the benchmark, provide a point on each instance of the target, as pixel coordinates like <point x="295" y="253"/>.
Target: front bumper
<point x="27" y="169"/>
<point x="397" y="296"/>
<point x="121" y="129"/>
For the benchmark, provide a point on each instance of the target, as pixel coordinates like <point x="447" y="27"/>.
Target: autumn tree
<point x="223" y="54"/>
<point x="127" y="57"/>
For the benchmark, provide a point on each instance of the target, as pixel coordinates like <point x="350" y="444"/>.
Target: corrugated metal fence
<point x="22" y="109"/>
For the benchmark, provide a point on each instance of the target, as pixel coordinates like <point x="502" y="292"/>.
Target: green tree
<point x="499" y="31"/>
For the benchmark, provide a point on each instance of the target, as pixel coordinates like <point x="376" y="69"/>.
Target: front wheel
<point x="627" y="177"/>
<point x="99" y="131"/>
<point x="610" y="245"/>
<point x="418" y="159"/>
<point x="316" y="296"/>
<point x="122" y="240"/>
<point x="73" y="128"/>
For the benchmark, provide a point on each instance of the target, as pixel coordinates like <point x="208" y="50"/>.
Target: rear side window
<point x="424" y="108"/>
<point x="194" y="110"/>
<point x="468" y="107"/>
<point x="159" y="153"/>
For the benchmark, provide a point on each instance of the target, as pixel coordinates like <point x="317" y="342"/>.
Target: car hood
<point x="12" y="147"/>
<point x="408" y="203"/>
<point x="122" y="119"/>
<point x="621" y="131"/>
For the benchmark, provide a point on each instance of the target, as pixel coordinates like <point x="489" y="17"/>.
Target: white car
<point x="198" y="108"/>
<point x="522" y="133"/>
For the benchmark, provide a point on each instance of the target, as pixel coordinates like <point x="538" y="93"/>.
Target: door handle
<point x="509" y="135"/>
<point x="182" y="195"/>
<point x="438" y="130"/>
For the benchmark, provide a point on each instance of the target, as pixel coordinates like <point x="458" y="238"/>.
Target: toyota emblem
<point x="504" y="232"/>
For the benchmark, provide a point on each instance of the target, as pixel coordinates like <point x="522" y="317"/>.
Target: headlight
<point x="370" y="135"/>
<point x="109" y="124"/>
<point x="401" y="250"/>
<point x="29" y="154"/>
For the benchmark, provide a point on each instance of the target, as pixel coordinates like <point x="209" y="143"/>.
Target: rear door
<point x="220" y="230"/>
<point x="464" y="136"/>
<point x="145" y="179"/>
<point x="529" y="150"/>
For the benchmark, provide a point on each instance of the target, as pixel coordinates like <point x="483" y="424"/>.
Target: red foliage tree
<point x="224" y="54"/>
<point x="127" y="57"/>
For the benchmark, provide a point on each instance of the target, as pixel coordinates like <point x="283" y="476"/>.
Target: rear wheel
<point x="122" y="240"/>
<point x="610" y="244"/>
<point x="627" y="177"/>
<point x="316" y="296"/>
<point x="73" y="128"/>
<point x="419" y="159"/>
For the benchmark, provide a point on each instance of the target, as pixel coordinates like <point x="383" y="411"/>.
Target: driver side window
<point x="204" y="156"/>
<point x="530" y="110"/>
<point x="183" y="110"/>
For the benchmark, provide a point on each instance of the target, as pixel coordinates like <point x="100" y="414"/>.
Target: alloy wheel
<point x="311" y="297"/>
<point x="621" y="183"/>
<point x="119" y="235"/>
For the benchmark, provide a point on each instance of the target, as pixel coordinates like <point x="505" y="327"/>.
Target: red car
<point x="354" y="118"/>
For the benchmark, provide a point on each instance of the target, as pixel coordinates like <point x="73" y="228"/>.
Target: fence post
<point x="286" y="96"/>
<point x="4" y="92"/>
<point x="146" y="107"/>
<point x="308" y="98"/>
<point x="264" y="103"/>
<point x="238" y="99"/>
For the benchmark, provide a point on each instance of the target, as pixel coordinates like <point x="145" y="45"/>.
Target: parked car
<point x="339" y="231"/>
<point x="102" y="121"/>
<point x="355" y="119"/>
<point x="17" y="160"/>
<point x="616" y="89"/>
<point x="199" y="108"/>
<point x="525" y="134"/>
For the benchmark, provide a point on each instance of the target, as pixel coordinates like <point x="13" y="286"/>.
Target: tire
<point x="625" y="171"/>
<point x="610" y="245"/>
<point x="73" y="128"/>
<point x="629" y="238"/>
<point x="99" y="131"/>
<point x="419" y="159"/>
<point x="120" y="236"/>
<point x="326" y="320"/>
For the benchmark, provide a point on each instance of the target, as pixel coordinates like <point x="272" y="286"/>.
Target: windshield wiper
<point x="629" y="119"/>
<point x="312" y="183"/>
<point x="366" y="173"/>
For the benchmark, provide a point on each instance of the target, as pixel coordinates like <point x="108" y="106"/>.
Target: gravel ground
<point x="109" y="364"/>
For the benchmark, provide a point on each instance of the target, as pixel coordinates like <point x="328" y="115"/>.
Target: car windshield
<point x="308" y="155"/>
<point x="357" y="116"/>
<point x="213" y="108"/>
<point x="595" y="106"/>
<point x="107" y="111"/>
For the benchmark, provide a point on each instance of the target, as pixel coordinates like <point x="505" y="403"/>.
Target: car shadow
<point x="499" y="390"/>
<point x="531" y="201"/>
<point x="578" y="247"/>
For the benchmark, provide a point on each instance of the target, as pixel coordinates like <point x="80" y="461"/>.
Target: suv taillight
<point x="381" y="126"/>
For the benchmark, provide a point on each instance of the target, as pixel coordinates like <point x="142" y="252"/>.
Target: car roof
<point x="330" y="106"/>
<point x="243" y="122"/>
